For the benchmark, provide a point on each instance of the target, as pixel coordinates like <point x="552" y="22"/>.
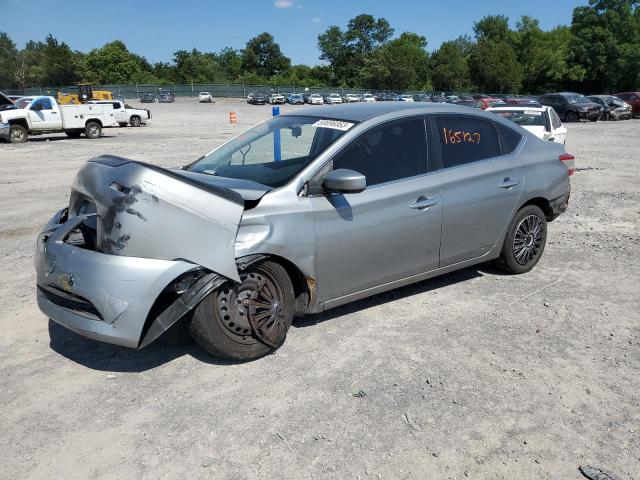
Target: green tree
<point x="197" y="67"/>
<point x="493" y="27"/>
<point x="346" y="51"/>
<point x="112" y="63"/>
<point x="230" y="61"/>
<point x="545" y="56"/>
<point x="450" y="66"/>
<point x="262" y="57"/>
<point x="8" y="60"/>
<point x="399" y="64"/>
<point x="606" y="44"/>
<point x="494" y="67"/>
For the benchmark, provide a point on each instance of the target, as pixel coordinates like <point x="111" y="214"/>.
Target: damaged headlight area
<point x="123" y="300"/>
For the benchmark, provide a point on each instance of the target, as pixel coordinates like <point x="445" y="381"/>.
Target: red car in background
<point x="522" y="102"/>
<point x="633" y="99"/>
<point x="484" y="103"/>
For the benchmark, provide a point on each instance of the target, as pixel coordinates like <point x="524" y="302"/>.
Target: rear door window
<point x="466" y="139"/>
<point x="389" y="152"/>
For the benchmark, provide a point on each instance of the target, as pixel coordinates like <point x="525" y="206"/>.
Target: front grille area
<point x="70" y="301"/>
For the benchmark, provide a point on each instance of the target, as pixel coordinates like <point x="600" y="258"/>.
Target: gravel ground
<point x="470" y="375"/>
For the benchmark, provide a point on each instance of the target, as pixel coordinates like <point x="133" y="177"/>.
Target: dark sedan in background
<point x="572" y="107"/>
<point x="256" y="99"/>
<point x="166" y="97"/>
<point x="148" y="98"/>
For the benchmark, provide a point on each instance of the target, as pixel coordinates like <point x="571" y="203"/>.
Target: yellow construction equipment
<point x="85" y="93"/>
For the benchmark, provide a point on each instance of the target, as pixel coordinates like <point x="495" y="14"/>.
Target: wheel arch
<point x="93" y="120"/>
<point x="19" y="121"/>
<point x="304" y="286"/>
<point x="543" y="204"/>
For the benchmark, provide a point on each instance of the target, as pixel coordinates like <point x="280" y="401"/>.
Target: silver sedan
<point x="300" y="214"/>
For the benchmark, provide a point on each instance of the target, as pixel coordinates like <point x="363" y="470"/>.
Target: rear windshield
<point x="273" y="152"/>
<point x="525" y="118"/>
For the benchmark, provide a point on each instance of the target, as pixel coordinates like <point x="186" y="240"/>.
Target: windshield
<point x="524" y="118"/>
<point x="578" y="99"/>
<point x="23" y="102"/>
<point x="273" y="152"/>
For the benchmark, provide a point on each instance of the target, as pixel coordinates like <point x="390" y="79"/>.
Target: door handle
<point x="54" y="113"/>
<point x="508" y="183"/>
<point x="424" y="203"/>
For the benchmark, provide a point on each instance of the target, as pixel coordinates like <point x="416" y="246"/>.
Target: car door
<point x="558" y="131"/>
<point x="389" y="231"/>
<point x="480" y="185"/>
<point x="119" y="112"/>
<point x="44" y="114"/>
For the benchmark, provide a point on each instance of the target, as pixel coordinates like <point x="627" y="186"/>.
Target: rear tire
<point x="93" y="130"/>
<point x="221" y="322"/>
<point x="18" y="134"/>
<point x="135" y="121"/>
<point x="525" y="241"/>
<point x="571" y="117"/>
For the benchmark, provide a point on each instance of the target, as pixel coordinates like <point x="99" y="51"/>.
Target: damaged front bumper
<point x="5" y="131"/>
<point x="109" y="297"/>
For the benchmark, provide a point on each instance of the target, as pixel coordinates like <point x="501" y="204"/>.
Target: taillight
<point x="569" y="161"/>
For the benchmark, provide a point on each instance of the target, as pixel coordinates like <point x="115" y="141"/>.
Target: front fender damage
<point x="144" y="238"/>
<point x="187" y="301"/>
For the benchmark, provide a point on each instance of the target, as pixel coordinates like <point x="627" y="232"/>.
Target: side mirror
<point x="343" y="180"/>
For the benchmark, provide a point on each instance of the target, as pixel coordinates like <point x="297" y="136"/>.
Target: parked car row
<point x="162" y="97"/>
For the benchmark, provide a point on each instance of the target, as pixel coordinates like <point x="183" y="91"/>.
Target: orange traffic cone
<point x="233" y="117"/>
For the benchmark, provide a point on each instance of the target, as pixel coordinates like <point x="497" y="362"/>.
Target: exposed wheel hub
<point x="253" y="308"/>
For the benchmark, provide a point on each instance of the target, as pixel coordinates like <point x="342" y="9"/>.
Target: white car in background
<point x="405" y="98"/>
<point x="543" y="122"/>
<point x="367" y="97"/>
<point x="125" y="114"/>
<point x="333" y="98"/>
<point x="316" y="99"/>
<point x="351" y="98"/>
<point x="205" y="97"/>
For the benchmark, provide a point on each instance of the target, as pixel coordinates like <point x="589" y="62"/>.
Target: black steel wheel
<point x="93" y="130"/>
<point x="525" y="240"/>
<point x="246" y="320"/>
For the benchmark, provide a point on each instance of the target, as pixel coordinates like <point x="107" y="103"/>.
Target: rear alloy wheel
<point x="135" y="121"/>
<point x="18" y="134"/>
<point x="246" y="320"/>
<point x="93" y="130"/>
<point x="525" y="240"/>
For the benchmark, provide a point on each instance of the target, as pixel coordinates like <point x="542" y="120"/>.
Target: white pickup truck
<point x="45" y="115"/>
<point x="125" y="114"/>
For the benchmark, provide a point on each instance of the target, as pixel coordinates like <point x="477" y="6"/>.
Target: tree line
<point x="598" y="52"/>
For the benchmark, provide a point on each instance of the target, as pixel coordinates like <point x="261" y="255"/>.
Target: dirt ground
<point x="470" y="375"/>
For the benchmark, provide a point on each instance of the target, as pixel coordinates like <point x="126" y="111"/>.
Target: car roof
<point x="517" y="108"/>
<point x="360" y="112"/>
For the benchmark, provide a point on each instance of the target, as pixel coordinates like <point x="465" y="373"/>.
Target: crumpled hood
<point x="247" y="189"/>
<point x="135" y="209"/>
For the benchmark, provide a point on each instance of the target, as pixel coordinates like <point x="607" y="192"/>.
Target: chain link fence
<point x="219" y="90"/>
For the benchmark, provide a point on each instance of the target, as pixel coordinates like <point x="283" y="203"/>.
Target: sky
<point x="156" y="29"/>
